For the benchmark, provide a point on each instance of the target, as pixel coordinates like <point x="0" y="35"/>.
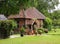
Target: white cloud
<point x="59" y="0"/>
<point x="57" y="7"/>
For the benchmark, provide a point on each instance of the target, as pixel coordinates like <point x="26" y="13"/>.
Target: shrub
<point x="6" y="26"/>
<point x="22" y="31"/>
<point x="40" y="30"/>
<point x="46" y="30"/>
<point x="48" y="23"/>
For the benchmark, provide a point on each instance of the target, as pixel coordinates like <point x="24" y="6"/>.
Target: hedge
<point x="5" y="28"/>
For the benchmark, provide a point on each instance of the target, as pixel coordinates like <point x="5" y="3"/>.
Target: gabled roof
<point x="2" y="17"/>
<point x="30" y="13"/>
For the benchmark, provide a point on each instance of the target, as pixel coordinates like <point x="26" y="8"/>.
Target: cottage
<point x="29" y="18"/>
<point x="2" y="17"/>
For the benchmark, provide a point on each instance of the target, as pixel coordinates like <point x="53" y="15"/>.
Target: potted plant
<point x="22" y="32"/>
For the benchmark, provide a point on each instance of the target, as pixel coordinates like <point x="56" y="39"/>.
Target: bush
<point x="22" y="31"/>
<point x="6" y="26"/>
<point x="46" y="30"/>
<point x="48" y="23"/>
<point x="40" y="30"/>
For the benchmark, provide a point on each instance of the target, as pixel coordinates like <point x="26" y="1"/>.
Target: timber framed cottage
<point x="29" y="18"/>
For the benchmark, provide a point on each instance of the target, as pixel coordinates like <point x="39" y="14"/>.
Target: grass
<point x="56" y="33"/>
<point x="47" y="39"/>
<point x="39" y="39"/>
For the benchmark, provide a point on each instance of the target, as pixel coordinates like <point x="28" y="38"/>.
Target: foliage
<point x="8" y="7"/>
<point x="46" y="30"/>
<point x="40" y="30"/>
<point x="6" y="26"/>
<point x="56" y="18"/>
<point x="47" y="23"/>
<point x="46" y="4"/>
<point x="22" y="30"/>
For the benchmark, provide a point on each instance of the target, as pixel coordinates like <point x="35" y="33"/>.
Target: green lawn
<point x="43" y="39"/>
<point x="56" y="33"/>
<point x="39" y="39"/>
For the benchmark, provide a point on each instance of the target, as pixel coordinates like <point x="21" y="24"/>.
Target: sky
<point x="57" y="7"/>
<point x="59" y="0"/>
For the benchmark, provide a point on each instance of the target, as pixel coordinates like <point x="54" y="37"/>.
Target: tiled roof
<point x="34" y="13"/>
<point x="2" y="17"/>
<point x="29" y="13"/>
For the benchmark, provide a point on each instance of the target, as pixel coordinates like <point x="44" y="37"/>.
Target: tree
<point x="46" y="4"/>
<point x="8" y="7"/>
<point x="48" y="23"/>
<point x="56" y="18"/>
